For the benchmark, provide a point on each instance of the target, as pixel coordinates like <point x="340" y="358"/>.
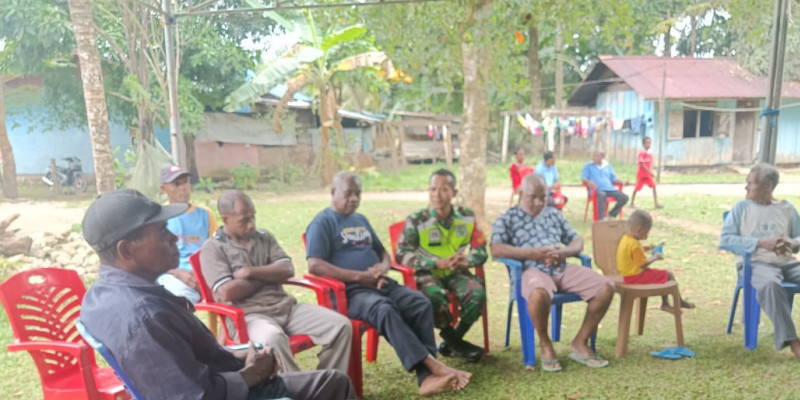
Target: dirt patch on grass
<point x="692" y="226"/>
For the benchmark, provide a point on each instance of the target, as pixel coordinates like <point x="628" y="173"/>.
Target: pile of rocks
<point x="67" y="250"/>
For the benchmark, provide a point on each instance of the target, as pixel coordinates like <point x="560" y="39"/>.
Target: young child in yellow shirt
<point x="633" y="264"/>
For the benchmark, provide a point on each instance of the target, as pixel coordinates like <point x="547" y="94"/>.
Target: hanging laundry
<point x="522" y="122"/>
<point x="532" y="123"/>
<point x="430" y="131"/>
<point x="616" y="123"/>
<point x="626" y="125"/>
<point x="636" y="125"/>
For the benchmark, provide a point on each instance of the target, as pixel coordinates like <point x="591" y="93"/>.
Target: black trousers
<point x="403" y="316"/>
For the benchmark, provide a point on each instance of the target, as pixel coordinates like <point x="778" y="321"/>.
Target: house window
<point x="697" y="123"/>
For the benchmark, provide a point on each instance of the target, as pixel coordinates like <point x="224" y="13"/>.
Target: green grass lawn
<point x="415" y="177"/>
<point x="723" y="369"/>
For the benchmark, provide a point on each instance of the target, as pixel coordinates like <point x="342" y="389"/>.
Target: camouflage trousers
<point x="468" y="289"/>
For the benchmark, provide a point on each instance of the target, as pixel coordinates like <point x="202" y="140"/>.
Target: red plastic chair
<point x="408" y="279"/>
<point x="43" y="305"/>
<point x="592" y="198"/>
<point x="297" y="343"/>
<point x="359" y="328"/>
<point x="239" y="335"/>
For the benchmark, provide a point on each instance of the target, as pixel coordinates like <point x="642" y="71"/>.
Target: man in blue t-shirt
<point x="599" y="174"/>
<point x="192" y="229"/>
<point x="547" y="169"/>
<point x="342" y="245"/>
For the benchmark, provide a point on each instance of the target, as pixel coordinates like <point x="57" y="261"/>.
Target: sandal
<point x="551" y="365"/>
<point x="587" y="360"/>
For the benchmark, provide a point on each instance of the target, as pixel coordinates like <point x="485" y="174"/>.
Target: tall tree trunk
<point x="534" y="75"/>
<point x="327" y="120"/>
<point x="9" y="182"/>
<point x="93" y="92"/>
<point x="693" y="36"/>
<point x="191" y="161"/>
<point x="472" y="160"/>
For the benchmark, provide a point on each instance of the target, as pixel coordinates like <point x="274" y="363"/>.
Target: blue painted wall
<point x="624" y="145"/>
<point x="788" y="147"/>
<point x="33" y="147"/>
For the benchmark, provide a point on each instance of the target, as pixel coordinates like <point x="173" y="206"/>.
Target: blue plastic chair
<point x="103" y="350"/>
<point x="750" y="306"/>
<point x="526" y="329"/>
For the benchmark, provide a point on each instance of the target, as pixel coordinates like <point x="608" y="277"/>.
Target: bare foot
<point x="435" y="384"/>
<point x="462" y="376"/>
<point x="547" y="350"/>
<point x="795" y="346"/>
<point x="686" y="304"/>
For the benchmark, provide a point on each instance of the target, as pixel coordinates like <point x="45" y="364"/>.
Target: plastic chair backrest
<point x="205" y="291"/>
<point x="207" y="297"/>
<point x="605" y="239"/>
<point x="395" y="230"/>
<point x="42" y="305"/>
<point x="106" y="353"/>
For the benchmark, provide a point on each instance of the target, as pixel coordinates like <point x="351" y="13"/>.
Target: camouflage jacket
<point x="454" y="234"/>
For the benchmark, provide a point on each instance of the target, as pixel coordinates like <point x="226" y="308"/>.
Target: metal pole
<point x="664" y="114"/>
<point x="769" y="126"/>
<point x="504" y="150"/>
<point x="172" y="81"/>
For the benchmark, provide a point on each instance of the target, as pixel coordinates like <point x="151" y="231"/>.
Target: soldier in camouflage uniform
<point x="434" y="242"/>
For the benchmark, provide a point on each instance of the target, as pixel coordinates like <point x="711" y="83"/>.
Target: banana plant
<point x="313" y="63"/>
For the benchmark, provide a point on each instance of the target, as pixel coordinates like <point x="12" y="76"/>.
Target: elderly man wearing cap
<point x="192" y="229"/>
<point x="165" y="350"/>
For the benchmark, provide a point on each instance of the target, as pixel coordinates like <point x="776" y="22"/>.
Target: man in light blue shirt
<point x="768" y="229"/>
<point x="547" y="168"/>
<point x="600" y="175"/>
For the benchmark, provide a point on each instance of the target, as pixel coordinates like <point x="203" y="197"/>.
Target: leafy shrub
<point x="205" y="184"/>
<point x="244" y="176"/>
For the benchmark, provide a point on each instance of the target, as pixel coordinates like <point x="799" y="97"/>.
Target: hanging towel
<point x="616" y="123"/>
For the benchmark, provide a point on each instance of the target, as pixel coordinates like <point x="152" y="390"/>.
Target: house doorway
<point x="745" y="133"/>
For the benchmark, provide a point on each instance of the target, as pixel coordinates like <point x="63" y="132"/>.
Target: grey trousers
<point x="403" y="316"/>
<point x="327" y="328"/>
<point x="602" y="195"/>
<point x="772" y="297"/>
<point x="312" y="385"/>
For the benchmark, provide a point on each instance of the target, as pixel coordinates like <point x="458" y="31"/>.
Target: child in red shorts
<point x="644" y="176"/>
<point x="632" y="262"/>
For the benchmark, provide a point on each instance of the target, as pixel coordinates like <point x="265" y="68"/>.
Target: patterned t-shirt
<point x="519" y="229"/>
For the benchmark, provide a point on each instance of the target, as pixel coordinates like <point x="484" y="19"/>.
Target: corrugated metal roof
<point x="686" y="78"/>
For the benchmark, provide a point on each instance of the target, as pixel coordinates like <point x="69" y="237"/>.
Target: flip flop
<point x="668" y="354"/>
<point x="585" y="360"/>
<point x="683" y="351"/>
<point x="551" y="365"/>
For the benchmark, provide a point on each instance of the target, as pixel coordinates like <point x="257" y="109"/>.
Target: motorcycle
<point x="71" y="176"/>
